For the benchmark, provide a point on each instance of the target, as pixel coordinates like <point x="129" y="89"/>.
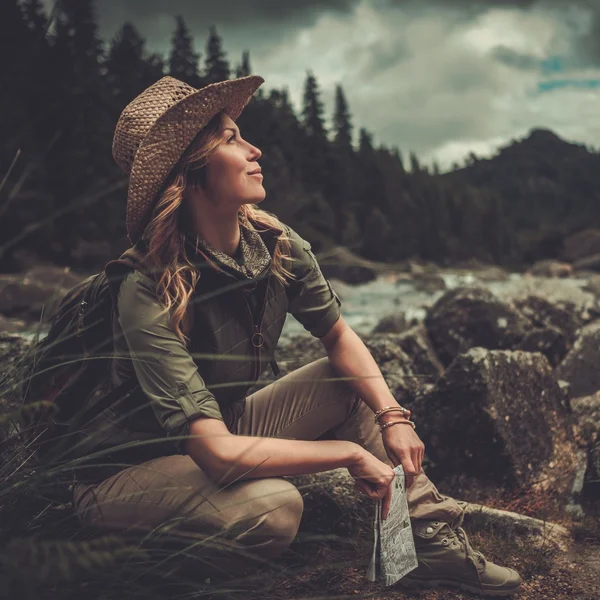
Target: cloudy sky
<point x="440" y="77"/>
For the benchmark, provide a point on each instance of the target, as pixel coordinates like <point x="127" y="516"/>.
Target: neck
<point x="221" y="231"/>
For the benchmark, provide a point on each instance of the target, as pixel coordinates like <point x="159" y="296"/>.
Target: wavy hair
<point x="165" y="235"/>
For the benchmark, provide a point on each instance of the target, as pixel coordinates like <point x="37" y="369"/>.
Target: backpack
<point x="67" y="365"/>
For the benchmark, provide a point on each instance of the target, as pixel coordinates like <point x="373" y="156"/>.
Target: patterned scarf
<point x="252" y="255"/>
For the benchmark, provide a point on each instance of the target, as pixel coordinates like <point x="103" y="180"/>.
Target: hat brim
<point x="169" y="137"/>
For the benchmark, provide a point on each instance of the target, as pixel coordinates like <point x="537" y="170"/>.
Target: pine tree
<point x="183" y="61"/>
<point x="77" y="28"/>
<point x="342" y="127"/>
<point x="129" y="71"/>
<point x="312" y="109"/>
<point x="243" y="69"/>
<point x="216" y="64"/>
<point x="365" y="141"/>
<point x="35" y="16"/>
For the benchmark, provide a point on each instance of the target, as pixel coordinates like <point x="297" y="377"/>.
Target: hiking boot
<point x="446" y="558"/>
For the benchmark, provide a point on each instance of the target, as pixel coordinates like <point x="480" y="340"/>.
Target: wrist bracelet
<point x="390" y="423"/>
<point x="405" y="412"/>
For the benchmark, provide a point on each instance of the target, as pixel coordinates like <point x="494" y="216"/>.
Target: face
<point x="228" y="173"/>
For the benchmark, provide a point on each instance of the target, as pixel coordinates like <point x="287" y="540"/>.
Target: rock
<point x="580" y="368"/>
<point x="562" y="316"/>
<point x="415" y="343"/>
<point x="20" y="299"/>
<point x="551" y="342"/>
<point x="429" y="283"/>
<point x="340" y="263"/>
<point x="11" y="325"/>
<point x="500" y="417"/>
<point x="333" y="504"/>
<point x="491" y="273"/>
<point x="35" y="293"/>
<point x="510" y="524"/>
<point x="395" y="323"/>
<point x="586" y="410"/>
<point x="566" y="293"/>
<point x="581" y="244"/>
<point x="589" y="263"/>
<point x="587" y="414"/>
<point x="591" y="486"/>
<point x="557" y="326"/>
<point x="593" y="285"/>
<point x="53" y="276"/>
<point x="482" y="270"/>
<point x="550" y="268"/>
<point x="396" y="366"/>
<point x="469" y="316"/>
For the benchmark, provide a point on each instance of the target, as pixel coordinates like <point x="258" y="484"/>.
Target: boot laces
<point x="477" y="557"/>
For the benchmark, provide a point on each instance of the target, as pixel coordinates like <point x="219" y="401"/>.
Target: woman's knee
<point x="272" y="519"/>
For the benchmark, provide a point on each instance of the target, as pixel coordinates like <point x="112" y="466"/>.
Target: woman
<point x="200" y="301"/>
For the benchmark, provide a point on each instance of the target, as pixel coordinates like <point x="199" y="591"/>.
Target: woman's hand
<point x="403" y="446"/>
<point x="373" y="478"/>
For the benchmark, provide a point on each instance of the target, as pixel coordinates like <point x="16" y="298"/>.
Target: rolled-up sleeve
<point x="164" y="367"/>
<point x="312" y="300"/>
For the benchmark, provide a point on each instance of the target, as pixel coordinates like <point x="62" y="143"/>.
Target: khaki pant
<point x="254" y="517"/>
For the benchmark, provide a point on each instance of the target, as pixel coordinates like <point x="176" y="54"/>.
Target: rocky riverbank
<point x="501" y="373"/>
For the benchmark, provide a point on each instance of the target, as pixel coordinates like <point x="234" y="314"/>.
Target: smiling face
<point x="228" y="180"/>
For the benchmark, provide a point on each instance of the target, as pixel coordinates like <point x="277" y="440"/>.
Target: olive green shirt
<point x="164" y="367"/>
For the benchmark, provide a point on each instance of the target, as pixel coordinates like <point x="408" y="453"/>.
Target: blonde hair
<point x="167" y="257"/>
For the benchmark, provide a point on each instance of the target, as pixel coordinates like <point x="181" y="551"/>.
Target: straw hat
<point x="157" y="126"/>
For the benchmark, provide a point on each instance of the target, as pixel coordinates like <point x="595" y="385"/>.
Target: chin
<point x="256" y="199"/>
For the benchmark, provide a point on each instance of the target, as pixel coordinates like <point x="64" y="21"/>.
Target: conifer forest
<point x="63" y="197"/>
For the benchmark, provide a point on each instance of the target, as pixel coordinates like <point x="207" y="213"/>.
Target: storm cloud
<point x="438" y="77"/>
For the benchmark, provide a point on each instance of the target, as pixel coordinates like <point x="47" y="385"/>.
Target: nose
<point x="256" y="153"/>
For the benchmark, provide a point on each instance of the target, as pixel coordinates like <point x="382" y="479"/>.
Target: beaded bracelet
<point x="390" y="423"/>
<point x="405" y="412"/>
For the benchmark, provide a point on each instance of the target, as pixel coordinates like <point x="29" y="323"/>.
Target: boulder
<point x="591" y="485"/>
<point x="35" y="293"/>
<point x="551" y="342"/>
<point x="501" y="417"/>
<point x="11" y="325"/>
<point x="581" y="244"/>
<point x="396" y="366"/>
<point x="467" y="317"/>
<point x="593" y="285"/>
<point x="415" y="343"/>
<point x="562" y="316"/>
<point x="586" y="410"/>
<point x="564" y="293"/>
<point x="550" y="268"/>
<point x="580" y="368"/>
<point x="589" y="263"/>
<point x="430" y="283"/>
<point x="334" y="506"/>
<point x="395" y="323"/>
<point x="587" y="414"/>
